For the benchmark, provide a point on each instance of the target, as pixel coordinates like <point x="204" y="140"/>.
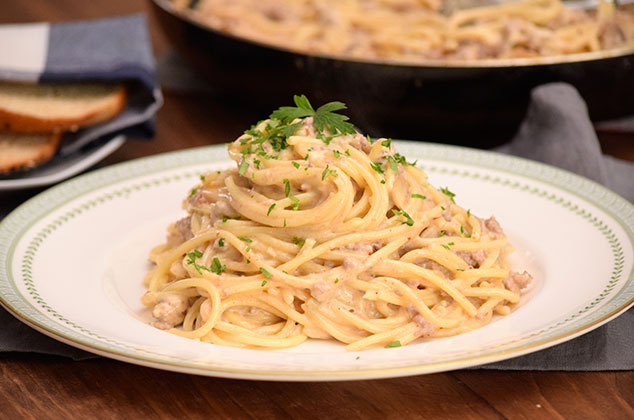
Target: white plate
<point x="62" y="167"/>
<point x="72" y="261"/>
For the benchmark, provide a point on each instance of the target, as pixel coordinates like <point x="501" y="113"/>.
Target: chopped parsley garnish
<point x="324" y="138"/>
<point x="270" y="209"/>
<point x="192" y="260"/>
<point x="299" y="241"/>
<point x="284" y="222"/>
<point x="441" y="233"/>
<point x="386" y="142"/>
<point x="216" y="267"/>
<point x="336" y="280"/>
<point x="193" y="255"/>
<point x="244" y="165"/>
<point x="294" y="206"/>
<point x="393" y="163"/>
<point x="382" y="181"/>
<point x="445" y="246"/>
<point x="336" y="153"/>
<point x="202" y="178"/>
<point x="225" y="218"/>
<point x="448" y="193"/>
<point x="265" y="272"/>
<point x="193" y="191"/>
<point x="295" y="164"/>
<point x="347" y="152"/>
<point x="257" y="163"/>
<point x="377" y="167"/>
<point x="323" y="118"/>
<point x="287" y="187"/>
<point x="247" y="240"/>
<point x="459" y="269"/>
<point x="422" y="197"/>
<point x="395" y="343"/>
<point x="328" y="172"/>
<point x="221" y="242"/>
<point x="263" y="283"/>
<point x="408" y="220"/>
<point x="465" y="234"/>
<point x="468" y="213"/>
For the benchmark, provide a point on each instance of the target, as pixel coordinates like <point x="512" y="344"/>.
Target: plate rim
<point x="173" y="160"/>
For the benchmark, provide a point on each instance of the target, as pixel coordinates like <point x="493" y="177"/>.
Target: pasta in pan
<point x="420" y="30"/>
<point x="319" y="232"/>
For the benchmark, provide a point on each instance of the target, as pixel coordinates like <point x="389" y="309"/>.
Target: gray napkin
<point x="557" y="131"/>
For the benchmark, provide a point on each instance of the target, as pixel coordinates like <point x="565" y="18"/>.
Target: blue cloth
<point x="111" y="49"/>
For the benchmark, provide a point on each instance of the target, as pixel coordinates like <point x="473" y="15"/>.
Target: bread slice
<point x="22" y="151"/>
<point x="53" y="108"/>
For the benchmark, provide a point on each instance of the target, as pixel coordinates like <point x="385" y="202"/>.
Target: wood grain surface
<point x="45" y="387"/>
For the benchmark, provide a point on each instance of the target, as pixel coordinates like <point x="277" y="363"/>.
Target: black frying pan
<point x="477" y="103"/>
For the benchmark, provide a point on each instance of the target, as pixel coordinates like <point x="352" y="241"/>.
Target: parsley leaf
<point x="323" y="118"/>
<point x="328" y="172"/>
<point x="377" y="167"/>
<point x="395" y="343"/>
<point x="270" y="209"/>
<point x="448" y="193"/>
<point x="247" y="240"/>
<point x="294" y="206"/>
<point x="287" y="187"/>
<point x="265" y="272"/>
<point x="216" y="267"/>
<point x="244" y="165"/>
<point x="299" y="241"/>
<point x="422" y="197"/>
<point x="408" y="220"/>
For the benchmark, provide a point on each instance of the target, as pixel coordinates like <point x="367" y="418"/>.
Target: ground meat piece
<point x="493" y="227"/>
<point x="319" y="291"/>
<point x="169" y="311"/>
<point x="350" y="263"/>
<point x="222" y="208"/>
<point x="474" y="258"/>
<point x="446" y="213"/>
<point x="426" y="328"/>
<point x="362" y="247"/>
<point x="359" y="142"/>
<point x="180" y="231"/>
<point x="433" y="265"/>
<point x="515" y="282"/>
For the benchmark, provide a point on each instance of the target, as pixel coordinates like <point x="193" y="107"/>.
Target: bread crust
<point x="40" y="154"/>
<point x="20" y="123"/>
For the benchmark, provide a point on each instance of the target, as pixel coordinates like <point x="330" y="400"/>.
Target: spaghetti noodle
<point x="321" y="233"/>
<point x="416" y="30"/>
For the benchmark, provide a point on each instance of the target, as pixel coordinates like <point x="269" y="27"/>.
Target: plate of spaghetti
<point x="316" y="253"/>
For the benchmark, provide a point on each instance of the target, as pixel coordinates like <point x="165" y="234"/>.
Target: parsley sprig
<point x="324" y="117"/>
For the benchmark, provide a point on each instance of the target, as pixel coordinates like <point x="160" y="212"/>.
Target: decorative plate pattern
<point x="73" y="263"/>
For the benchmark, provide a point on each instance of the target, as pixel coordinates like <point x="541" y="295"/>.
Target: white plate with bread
<point x="34" y="119"/>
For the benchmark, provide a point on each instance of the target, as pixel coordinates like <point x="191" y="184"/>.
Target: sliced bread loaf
<point x="53" y="108"/>
<point x="21" y="151"/>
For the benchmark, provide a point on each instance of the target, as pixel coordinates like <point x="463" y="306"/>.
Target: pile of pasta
<point x="420" y="30"/>
<point x="320" y="232"/>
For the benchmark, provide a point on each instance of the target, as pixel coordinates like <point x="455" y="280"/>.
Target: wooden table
<point x="36" y="386"/>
